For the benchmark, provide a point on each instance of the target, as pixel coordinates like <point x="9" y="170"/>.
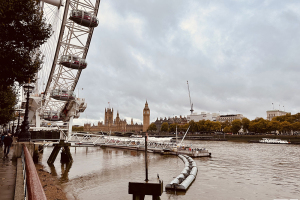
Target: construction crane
<point x="190" y="98"/>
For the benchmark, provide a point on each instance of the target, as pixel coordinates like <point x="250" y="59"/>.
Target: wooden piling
<point x="56" y="150"/>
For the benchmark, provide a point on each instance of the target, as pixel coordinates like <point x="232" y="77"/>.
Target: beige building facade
<point x="229" y="118"/>
<point x="275" y="113"/>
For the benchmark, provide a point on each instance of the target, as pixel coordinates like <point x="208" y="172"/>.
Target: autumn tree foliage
<point x="22" y="31"/>
<point x="164" y="127"/>
<point x="7" y="103"/>
<point x="152" y="127"/>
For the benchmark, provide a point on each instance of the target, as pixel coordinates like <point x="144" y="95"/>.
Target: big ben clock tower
<point x="146" y="117"/>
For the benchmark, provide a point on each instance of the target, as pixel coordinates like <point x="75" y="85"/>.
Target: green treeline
<point x="285" y="125"/>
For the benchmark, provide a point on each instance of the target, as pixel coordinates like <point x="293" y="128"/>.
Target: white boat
<point x="162" y="139"/>
<point x="136" y="136"/>
<point x="273" y="141"/>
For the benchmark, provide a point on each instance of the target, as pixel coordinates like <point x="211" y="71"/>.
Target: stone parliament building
<point x="119" y="125"/>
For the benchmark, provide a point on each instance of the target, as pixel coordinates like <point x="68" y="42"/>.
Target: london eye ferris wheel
<point x="73" y="23"/>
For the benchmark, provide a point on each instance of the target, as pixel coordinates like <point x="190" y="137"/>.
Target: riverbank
<point x="247" y="138"/>
<point x="52" y="187"/>
<point x="234" y="138"/>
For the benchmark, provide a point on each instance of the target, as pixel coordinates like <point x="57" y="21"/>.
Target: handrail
<point x="34" y="187"/>
<point x="24" y="174"/>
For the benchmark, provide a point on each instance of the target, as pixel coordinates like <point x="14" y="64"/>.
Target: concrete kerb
<point x="18" y="149"/>
<point x="19" y="186"/>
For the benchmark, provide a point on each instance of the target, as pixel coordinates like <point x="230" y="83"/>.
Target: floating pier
<point x="195" y="153"/>
<point x="183" y="181"/>
<point x="154" y="145"/>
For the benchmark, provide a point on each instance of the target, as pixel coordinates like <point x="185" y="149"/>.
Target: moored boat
<point x="273" y="141"/>
<point x="136" y="136"/>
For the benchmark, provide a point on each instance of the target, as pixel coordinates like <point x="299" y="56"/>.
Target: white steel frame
<point x="71" y="39"/>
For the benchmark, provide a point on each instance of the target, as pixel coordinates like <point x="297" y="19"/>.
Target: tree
<point x="245" y="124"/>
<point x="164" y="127"/>
<point x="273" y="126"/>
<point x="285" y="127"/>
<point x="201" y="125"/>
<point x="262" y="125"/>
<point x="258" y="125"/>
<point x="253" y="126"/>
<point x="193" y="126"/>
<point x="236" y="125"/>
<point x="184" y="127"/>
<point x="23" y="31"/>
<point x="208" y="126"/>
<point x="7" y="102"/>
<point x="172" y="127"/>
<point x="224" y="124"/>
<point x="227" y="129"/>
<point x="152" y="127"/>
<point x="296" y="126"/>
<point x="216" y="126"/>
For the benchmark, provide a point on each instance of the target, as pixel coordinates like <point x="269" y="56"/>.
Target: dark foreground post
<point x="139" y="190"/>
<point x="146" y="157"/>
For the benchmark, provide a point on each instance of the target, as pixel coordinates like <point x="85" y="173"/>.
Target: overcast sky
<point x="238" y="56"/>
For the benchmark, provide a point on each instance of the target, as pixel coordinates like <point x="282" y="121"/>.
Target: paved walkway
<point x="7" y="175"/>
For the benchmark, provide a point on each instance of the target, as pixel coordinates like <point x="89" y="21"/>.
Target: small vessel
<point x="273" y="141"/>
<point x="136" y="136"/>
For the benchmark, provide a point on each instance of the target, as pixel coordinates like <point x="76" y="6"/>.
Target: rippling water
<point x="235" y="171"/>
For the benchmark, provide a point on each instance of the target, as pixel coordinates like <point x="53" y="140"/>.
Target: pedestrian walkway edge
<point x="19" y="188"/>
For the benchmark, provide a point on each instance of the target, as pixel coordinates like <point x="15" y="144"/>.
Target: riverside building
<point x="203" y="116"/>
<point x="229" y="118"/>
<point x="178" y="120"/>
<point x="119" y="125"/>
<point x="275" y="113"/>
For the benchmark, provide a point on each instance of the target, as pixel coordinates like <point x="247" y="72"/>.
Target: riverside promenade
<point x="8" y="169"/>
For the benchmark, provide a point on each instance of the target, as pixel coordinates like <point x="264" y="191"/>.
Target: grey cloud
<point x="246" y="60"/>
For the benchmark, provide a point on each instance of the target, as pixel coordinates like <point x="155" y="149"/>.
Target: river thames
<point x="249" y="171"/>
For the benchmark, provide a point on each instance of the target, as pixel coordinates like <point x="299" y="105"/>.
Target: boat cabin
<point x="73" y="62"/>
<point x="62" y="94"/>
<point x="51" y="116"/>
<point x="84" y="18"/>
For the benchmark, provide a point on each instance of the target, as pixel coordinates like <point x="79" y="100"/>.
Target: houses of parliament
<point x="119" y="125"/>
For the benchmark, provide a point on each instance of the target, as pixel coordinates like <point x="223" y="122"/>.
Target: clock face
<point x="148" y="112"/>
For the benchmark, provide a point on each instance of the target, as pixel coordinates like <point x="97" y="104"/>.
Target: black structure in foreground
<point x="139" y="190"/>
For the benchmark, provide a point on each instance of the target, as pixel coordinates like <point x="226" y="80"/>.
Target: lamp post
<point x="24" y="135"/>
<point x="18" y="127"/>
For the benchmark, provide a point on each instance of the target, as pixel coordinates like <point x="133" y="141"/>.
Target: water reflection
<point x="248" y="171"/>
<point x="64" y="168"/>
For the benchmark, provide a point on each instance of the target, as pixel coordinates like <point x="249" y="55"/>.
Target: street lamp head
<point x="28" y="87"/>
